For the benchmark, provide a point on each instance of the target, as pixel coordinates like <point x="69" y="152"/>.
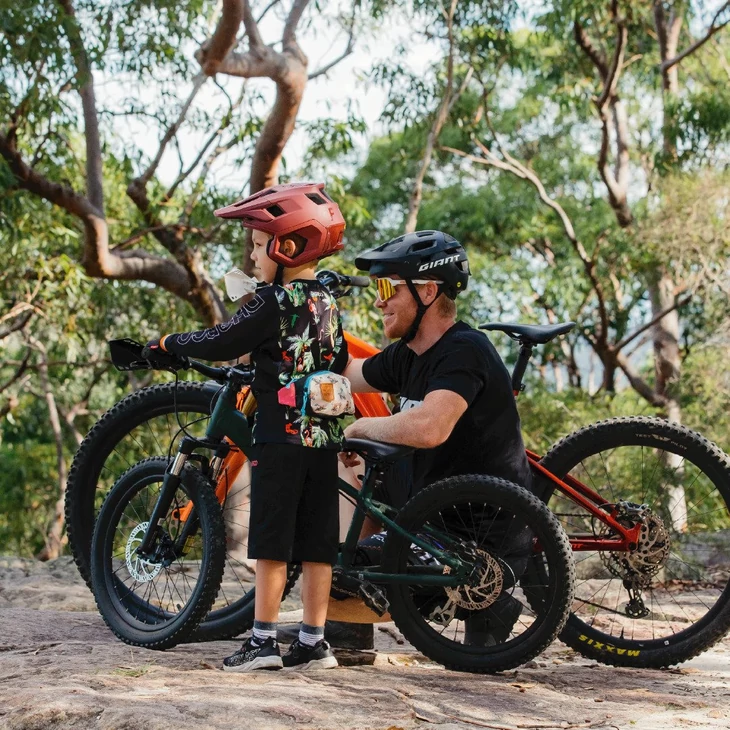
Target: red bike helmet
<point x="300" y="211"/>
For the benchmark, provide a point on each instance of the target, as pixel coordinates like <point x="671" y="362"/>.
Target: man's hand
<point x="349" y="458"/>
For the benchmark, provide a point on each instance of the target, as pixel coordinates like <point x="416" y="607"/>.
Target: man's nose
<point x="379" y="303"/>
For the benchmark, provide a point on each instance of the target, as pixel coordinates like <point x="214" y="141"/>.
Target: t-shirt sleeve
<point x="251" y="325"/>
<point x="384" y="370"/>
<point x="462" y="371"/>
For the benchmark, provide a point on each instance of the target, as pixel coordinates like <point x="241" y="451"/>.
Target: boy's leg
<point x="316" y="583"/>
<point x="315" y="545"/>
<point x="277" y="480"/>
<point x="270" y="582"/>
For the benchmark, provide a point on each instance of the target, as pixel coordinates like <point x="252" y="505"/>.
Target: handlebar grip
<point x="362" y="281"/>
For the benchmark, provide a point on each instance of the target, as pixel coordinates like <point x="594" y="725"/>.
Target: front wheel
<point x="669" y="599"/>
<point x="502" y="616"/>
<point x="157" y="600"/>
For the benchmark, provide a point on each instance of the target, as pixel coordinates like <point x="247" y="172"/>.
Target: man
<point x="456" y="401"/>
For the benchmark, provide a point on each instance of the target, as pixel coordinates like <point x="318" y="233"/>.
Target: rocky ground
<point x="61" y="668"/>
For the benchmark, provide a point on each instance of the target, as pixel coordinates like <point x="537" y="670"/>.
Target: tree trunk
<point x="54" y="544"/>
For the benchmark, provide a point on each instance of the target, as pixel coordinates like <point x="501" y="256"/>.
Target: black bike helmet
<point x="418" y="255"/>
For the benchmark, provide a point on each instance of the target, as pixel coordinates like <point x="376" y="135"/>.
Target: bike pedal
<point x="374" y="598"/>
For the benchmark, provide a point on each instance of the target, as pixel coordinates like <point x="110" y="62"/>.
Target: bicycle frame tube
<point x="591" y="501"/>
<point x="373" y="508"/>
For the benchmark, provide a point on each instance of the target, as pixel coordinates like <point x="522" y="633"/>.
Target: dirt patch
<point x="61" y="668"/>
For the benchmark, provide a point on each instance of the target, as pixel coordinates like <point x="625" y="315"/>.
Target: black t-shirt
<point x="487" y="438"/>
<point x="291" y="331"/>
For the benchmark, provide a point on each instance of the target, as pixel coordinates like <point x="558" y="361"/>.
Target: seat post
<point x="526" y="349"/>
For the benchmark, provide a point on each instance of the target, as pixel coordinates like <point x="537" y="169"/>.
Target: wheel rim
<point x="151" y="593"/>
<point x="679" y="593"/>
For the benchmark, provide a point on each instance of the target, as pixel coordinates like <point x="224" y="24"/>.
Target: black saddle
<point x="376" y="450"/>
<point x="530" y="334"/>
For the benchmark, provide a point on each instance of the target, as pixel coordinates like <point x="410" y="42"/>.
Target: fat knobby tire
<point x="133" y="410"/>
<point x="706" y="456"/>
<point x="552" y="538"/>
<point x="201" y="491"/>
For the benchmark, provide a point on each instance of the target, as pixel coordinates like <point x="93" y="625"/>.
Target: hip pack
<point x="323" y="394"/>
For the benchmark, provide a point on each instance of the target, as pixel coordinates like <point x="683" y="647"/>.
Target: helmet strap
<point x="421" y="310"/>
<point x="279" y="278"/>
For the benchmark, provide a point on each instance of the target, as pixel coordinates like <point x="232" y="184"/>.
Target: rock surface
<point x="60" y="668"/>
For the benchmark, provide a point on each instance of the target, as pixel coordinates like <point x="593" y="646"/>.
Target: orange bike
<point x="644" y="502"/>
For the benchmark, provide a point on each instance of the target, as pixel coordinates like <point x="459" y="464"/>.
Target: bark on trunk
<point x="54" y="544"/>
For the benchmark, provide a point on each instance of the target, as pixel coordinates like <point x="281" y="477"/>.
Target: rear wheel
<point x="504" y="615"/>
<point x="157" y="601"/>
<point x="669" y="599"/>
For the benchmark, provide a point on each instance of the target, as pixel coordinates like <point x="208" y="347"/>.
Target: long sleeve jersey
<point x="290" y="331"/>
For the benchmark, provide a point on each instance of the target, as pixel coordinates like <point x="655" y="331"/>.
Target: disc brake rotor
<point x="143" y="571"/>
<point x="485" y="590"/>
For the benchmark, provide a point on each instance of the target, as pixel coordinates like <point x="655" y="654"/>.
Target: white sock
<point x="310" y="635"/>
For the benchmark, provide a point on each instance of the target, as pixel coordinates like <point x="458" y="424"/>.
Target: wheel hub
<point x="143" y="571"/>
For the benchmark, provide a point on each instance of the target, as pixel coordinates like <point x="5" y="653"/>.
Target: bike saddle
<point x="376" y="450"/>
<point x="532" y="334"/>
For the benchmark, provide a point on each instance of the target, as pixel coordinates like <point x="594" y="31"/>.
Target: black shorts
<point x="294" y="504"/>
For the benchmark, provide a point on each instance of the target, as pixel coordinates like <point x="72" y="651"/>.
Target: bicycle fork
<point x="170" y="484"/>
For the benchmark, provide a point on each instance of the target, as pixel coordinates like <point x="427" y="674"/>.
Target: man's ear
<point x="433" y="291"/>
<point x="288" y="247"/>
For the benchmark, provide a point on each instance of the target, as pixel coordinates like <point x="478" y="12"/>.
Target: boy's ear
<point x="288" y="247"/>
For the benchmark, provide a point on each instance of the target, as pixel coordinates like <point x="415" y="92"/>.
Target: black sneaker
<point x="254" y="655"/>
<point x="302" y="657"/>
<point x="493" y="625"/>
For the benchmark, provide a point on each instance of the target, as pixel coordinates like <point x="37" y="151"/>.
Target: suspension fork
<point x="170" y="483"/>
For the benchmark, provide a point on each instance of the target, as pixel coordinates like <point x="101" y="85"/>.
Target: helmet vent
<point x="421" y="246"/>
<point x="421" y="234"/>
<point x="275" y="210"/>
<point x="316" y="198"/>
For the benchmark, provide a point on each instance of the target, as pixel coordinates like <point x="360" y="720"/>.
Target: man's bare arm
<point x="353" y="372"/>
<point x="423" y="427"/>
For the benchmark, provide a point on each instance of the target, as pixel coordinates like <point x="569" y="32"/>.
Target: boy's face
<point x="264" y="267"/>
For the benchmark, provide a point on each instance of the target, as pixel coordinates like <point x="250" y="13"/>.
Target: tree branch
<point x="94" y="172"/>
<point x="219" y="45"/>
<point x="630" y="338"/>
<point x="639" y="384"/>
<point x="516" y="168"/>
<point x="586" y="45"/>
<point x="667" y="64"/>
<point x="348" y="50"/>
<point x="198" y="82"/>
<point x="22" y="367"/>
<point x="289" y="37"/>
<point x="255" y="41"/>
<point x="442" y="113"/>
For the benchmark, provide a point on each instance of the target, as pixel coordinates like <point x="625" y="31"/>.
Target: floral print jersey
<point x="291" y="331"/>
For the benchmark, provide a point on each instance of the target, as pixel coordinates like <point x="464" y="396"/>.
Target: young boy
<point x="292" y="328"/>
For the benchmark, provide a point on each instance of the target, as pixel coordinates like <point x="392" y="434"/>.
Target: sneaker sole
<point x="329" y="662"/>
<point x="264" y="662"/>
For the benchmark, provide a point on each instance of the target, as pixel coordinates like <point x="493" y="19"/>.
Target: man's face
<point x="264" y="267"/>
<point x="398" y="312"/>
